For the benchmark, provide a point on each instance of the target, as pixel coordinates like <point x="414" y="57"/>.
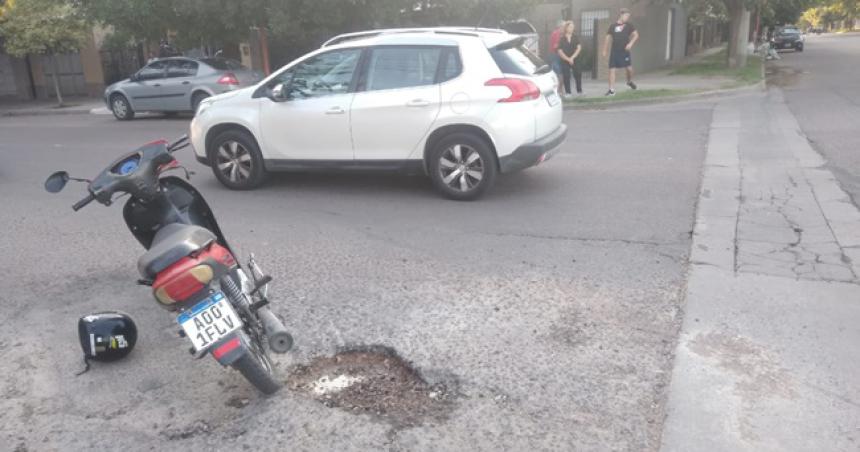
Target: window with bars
<point x="586" y="27"/>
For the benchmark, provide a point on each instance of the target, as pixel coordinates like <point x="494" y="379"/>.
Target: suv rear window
<point x="518" y="28"/>
<point x="517" y="60"/>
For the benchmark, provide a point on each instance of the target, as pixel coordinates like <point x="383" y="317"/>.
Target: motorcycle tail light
<point x="182" y="286"/>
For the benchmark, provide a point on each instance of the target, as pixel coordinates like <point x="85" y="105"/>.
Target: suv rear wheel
<point x="462" y="166"/>
<point x="236" y="160"/>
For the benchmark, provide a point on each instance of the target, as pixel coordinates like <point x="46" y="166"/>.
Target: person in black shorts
<point x="621" y="37"/>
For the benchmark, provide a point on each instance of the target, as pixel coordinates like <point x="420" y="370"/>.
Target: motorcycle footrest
<point x="259" y="304"/>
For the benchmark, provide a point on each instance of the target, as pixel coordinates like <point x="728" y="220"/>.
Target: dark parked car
<point x="788" y="38"/>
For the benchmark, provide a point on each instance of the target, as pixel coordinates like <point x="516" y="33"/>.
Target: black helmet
<point x="106" y="336"/>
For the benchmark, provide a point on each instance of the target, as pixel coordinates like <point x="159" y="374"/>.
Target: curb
<point x="759" y="86"/>
<point x="55" y="112"/>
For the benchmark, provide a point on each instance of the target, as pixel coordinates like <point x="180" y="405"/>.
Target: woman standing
<point x="568" y="49"/>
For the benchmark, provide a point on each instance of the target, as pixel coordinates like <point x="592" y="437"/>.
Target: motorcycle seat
<point x="170" y="244"/>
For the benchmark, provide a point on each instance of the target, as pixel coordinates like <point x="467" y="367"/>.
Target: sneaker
<point x="610" y="92"/>
<point x="631" y="85"/>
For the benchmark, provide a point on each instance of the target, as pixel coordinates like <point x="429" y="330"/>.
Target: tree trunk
<point x="56" y="80"/>
<point x="738" y="33"/>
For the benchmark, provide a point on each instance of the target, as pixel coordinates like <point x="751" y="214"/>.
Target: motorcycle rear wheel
<point x="251" y="367"/>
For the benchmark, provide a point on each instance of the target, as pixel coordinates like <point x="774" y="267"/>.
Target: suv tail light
<point x="521" y="90"/>
<point x="228" y="79"/>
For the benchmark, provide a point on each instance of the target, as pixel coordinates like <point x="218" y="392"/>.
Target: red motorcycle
<point x="223" y="308"/>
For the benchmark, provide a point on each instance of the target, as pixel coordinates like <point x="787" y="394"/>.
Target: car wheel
<point x="462" y="166"/>
<point x="196" y="99"/>
<point x="236" y="160"/>
<point x="121" y="108"/>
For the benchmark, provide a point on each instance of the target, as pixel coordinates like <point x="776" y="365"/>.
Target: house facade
<point x="662" y="29"/>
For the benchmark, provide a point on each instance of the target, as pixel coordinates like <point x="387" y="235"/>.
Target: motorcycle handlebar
<point x="181" y="143"/>
<point x="80" y="204"/>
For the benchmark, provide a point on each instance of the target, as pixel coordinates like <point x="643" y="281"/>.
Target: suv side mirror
<point x="278" y="93"/>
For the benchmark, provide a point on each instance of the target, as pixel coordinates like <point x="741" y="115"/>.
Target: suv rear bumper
<point x="534" y="153"/>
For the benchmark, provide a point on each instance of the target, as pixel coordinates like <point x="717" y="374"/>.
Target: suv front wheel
<point x="236" y="160"/>
<point x="462" y="166"/>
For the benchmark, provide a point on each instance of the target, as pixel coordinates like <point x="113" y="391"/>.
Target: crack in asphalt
<point x="582" y="239"/>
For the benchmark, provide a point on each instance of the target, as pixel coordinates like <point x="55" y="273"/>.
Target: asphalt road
<point x="822" y="89"/>
<point x="548" y="310"/>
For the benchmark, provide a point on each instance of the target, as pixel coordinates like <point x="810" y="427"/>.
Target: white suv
<point x="459" y="105"/>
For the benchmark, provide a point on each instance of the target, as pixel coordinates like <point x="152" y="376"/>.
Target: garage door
<point x="7" y="77"/>
<point x="71" y="74"/>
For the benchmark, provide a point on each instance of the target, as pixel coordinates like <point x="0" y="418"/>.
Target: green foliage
<point x="828" y="12"/>
<point x="715" y="66"/>
<point x="298" y="26"/>
<point x="628" y="96"/>
<point x="135" y="20"/>
<point x="302" y="23"/>
<point x="42" y="27"/>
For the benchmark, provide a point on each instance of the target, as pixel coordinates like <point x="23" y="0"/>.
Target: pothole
<point x="782" y="76"/>
<point x="376" y="381"/>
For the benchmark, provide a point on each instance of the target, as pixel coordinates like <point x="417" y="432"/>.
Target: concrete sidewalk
<point x="768" y="357"/>
<point x="657" y="80"/>
<point x="662" y="79"/>
<point x="74" y="106"/>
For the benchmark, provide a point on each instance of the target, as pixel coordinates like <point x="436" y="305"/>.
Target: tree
<point x="133" y="20"/>
<point x="43" y="27"/>
<point x="5" y="5"/>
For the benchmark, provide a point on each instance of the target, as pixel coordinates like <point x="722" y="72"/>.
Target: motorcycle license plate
<point x="209" y="321"/>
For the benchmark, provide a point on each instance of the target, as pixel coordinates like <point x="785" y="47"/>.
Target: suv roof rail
<point x="460" y="31"/>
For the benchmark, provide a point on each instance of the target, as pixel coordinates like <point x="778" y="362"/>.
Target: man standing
<point x="554" y="59"/>
<point x="621" y="37"/>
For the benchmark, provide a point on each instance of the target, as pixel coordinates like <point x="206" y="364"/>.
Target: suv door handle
<point x="418" y="103"/>
<point x="186" y="82"/>
<point x="335" y="111"/>
<point x="157" y="85"/>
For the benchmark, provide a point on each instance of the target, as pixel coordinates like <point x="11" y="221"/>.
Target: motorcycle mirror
<point x="56" y="182"/>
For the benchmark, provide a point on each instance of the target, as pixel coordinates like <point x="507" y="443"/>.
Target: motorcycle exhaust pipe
<point x="280" y="341"/>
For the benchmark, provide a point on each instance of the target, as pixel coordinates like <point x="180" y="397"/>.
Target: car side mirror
<point x="278" y="93"/>
<point x="56" y="182"/>
<point x="134" y="77"/>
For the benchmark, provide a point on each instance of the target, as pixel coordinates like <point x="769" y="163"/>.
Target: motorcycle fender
<point x="230" y="348"/>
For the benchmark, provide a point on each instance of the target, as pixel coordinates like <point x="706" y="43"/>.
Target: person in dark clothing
<point x="568" y="49"/>
<point x="166" y="50"/>
<point x="621" y="37"/>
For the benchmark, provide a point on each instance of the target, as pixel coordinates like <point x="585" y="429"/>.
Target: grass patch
<point x="715" y="66"/>
<point x="640" y="94"/>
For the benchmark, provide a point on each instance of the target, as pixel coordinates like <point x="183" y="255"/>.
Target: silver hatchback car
<point x="176" y="84"/>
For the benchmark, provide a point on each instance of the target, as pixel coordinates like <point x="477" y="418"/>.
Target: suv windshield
<point x="515" y="59"/>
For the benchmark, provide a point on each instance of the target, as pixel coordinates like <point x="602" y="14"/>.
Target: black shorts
<point x="619" y="59"/>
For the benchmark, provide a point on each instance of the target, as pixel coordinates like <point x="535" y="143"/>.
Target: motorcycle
<point x="222" y="307"/>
